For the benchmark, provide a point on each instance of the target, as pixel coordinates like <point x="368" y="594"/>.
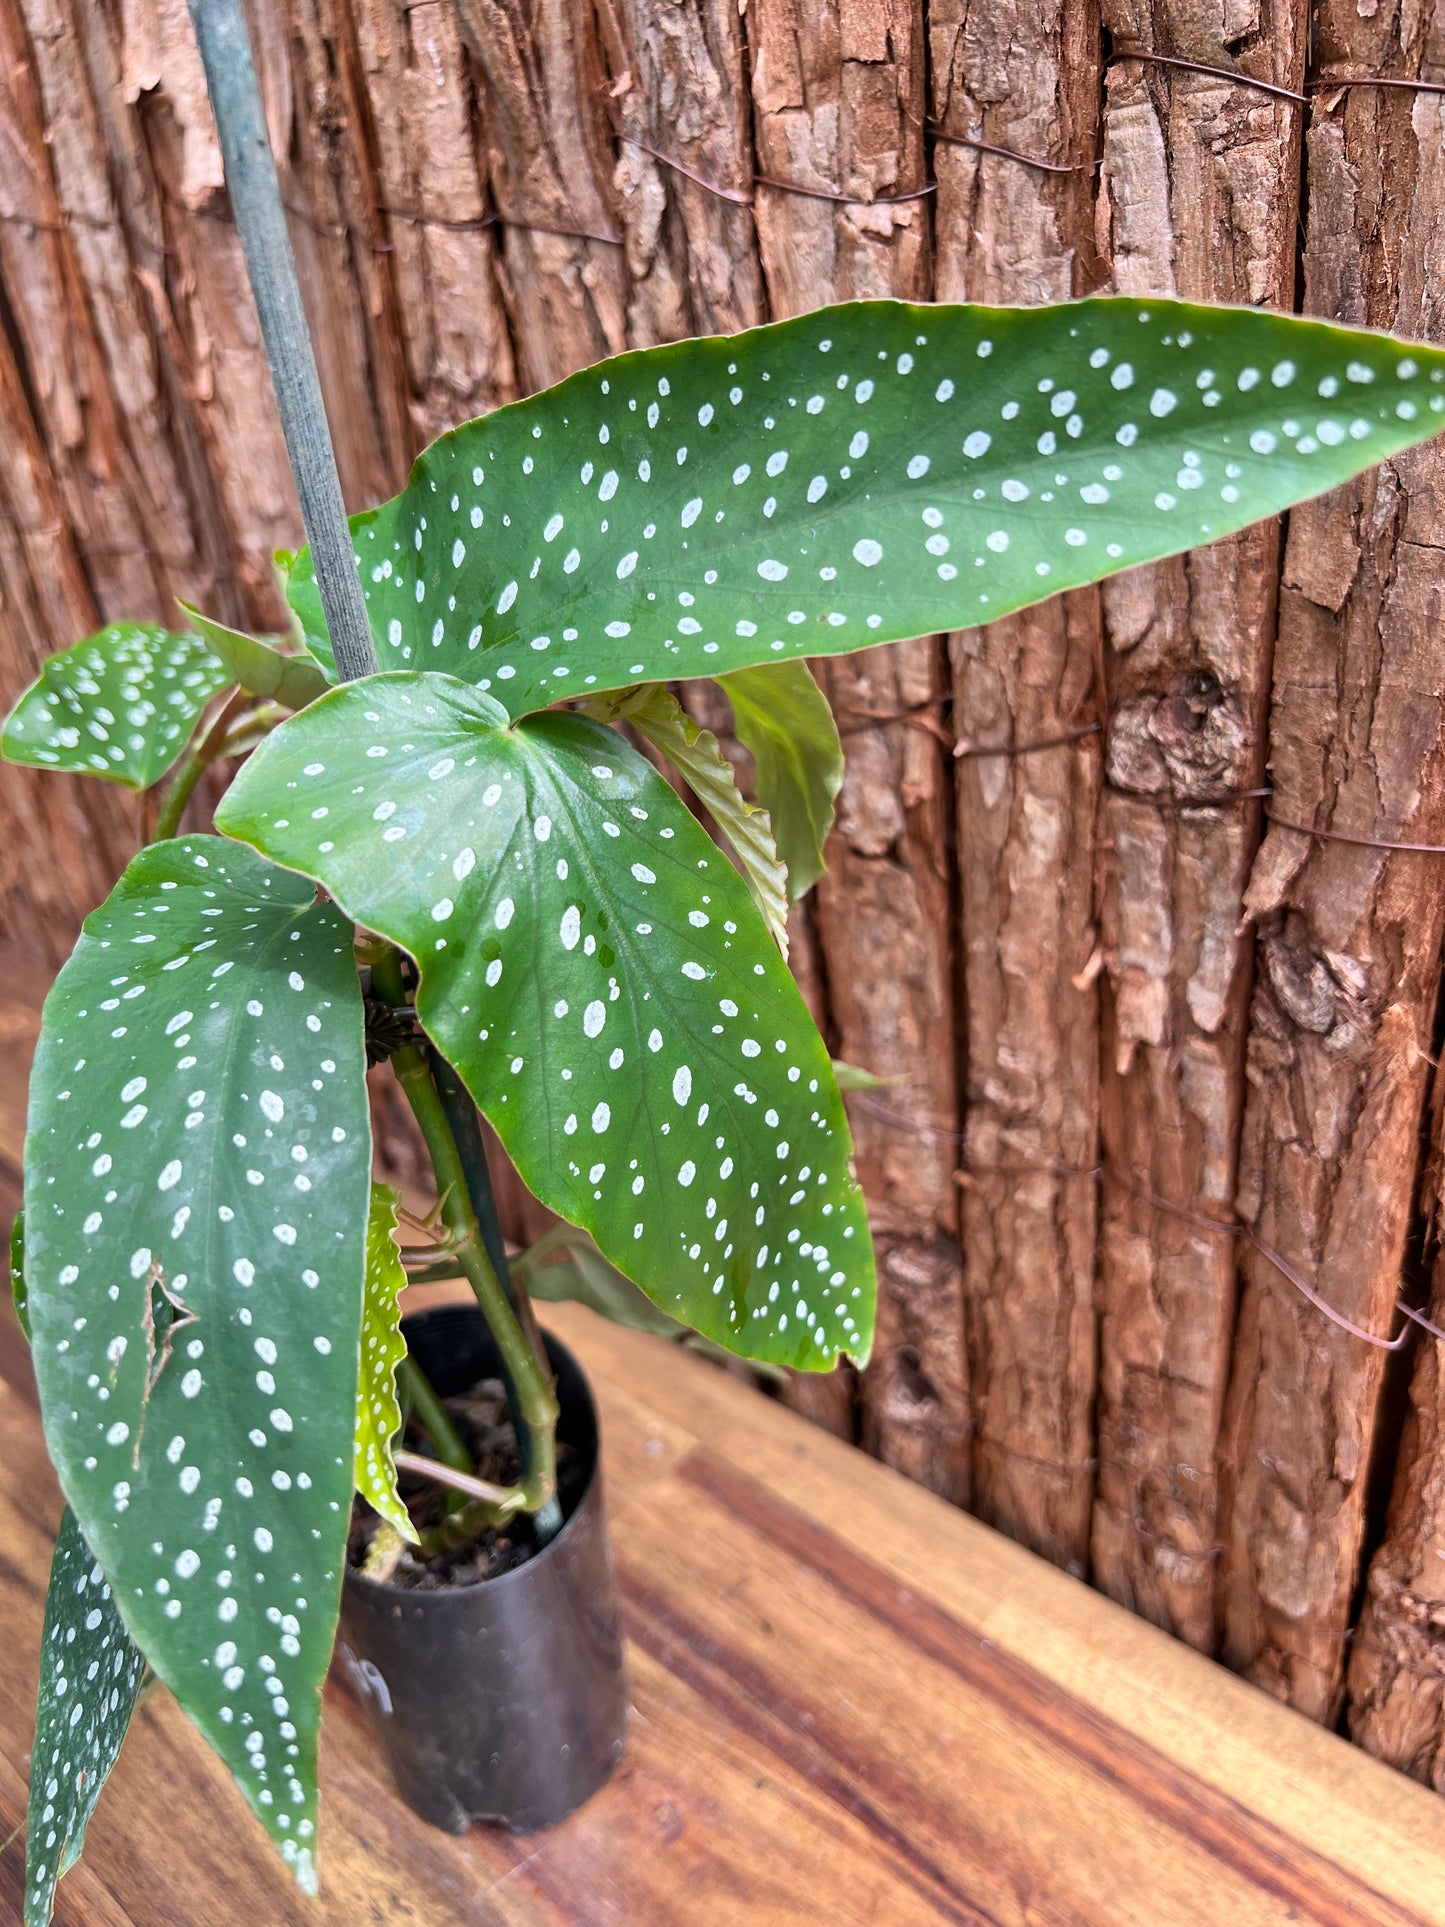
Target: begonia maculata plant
<point x="465" y="865"/>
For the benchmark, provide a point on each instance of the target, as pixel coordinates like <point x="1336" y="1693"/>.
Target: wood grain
<point x="1396" y="1675"/>
<point x="1025" y="76"/>
<point x="1199" y="193"/>
<point x="838" y="96"/>
<point x="1046" y="949"/>
<point x="853" y="1705"/>
<point x="1348" y="937"/>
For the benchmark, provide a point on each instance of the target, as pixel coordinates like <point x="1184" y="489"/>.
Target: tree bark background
<point x="1108" y="1010"/>
<point x="1198" y="196"/>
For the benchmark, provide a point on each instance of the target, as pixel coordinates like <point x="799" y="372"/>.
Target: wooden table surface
<point x="853" y="1704"/>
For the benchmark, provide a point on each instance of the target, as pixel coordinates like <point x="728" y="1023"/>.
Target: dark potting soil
<point x="484" y="1423"/>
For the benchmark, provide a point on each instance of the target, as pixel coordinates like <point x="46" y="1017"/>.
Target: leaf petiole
<point x="202" y="750"/>
<point x="504" y="1499"/>
<point x="432" y="1416"/>
<point x="535" y="1412"/>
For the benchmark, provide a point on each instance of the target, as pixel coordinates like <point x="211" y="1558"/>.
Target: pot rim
<point x="417" y="1596"/>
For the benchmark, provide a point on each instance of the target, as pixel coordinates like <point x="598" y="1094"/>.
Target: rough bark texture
<point x="1198" y="197"/>
<point x="1396" y="1677"/>
<point x="1050" y="951"/>
<point x="1025" y="76"/>
<point x="1348" y="938"/>
<point x="680" y="88"/>
<point x="539" y="116"/>
<point x="838" y="102"/>
<point x="51" y="860"/>
<point x="880" y="917"/>
<point x="444" y="293"/>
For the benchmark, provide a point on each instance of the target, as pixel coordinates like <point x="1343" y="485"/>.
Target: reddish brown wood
<point x="853" y="1704"/>
<point x="1348" y="936"/>
<point x="1199" y="193"/>
<point x="1025" y="77"/>
<point x="1052" y="970"/>
<point x="1396" y="1663"/>
<point x="838" y="100"/>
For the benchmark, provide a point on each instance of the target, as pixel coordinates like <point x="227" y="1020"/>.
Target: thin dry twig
<point x="1420" y="1319"/>
<point x="735" y="195"/>
<point x="476" y="224"/>
<point x="1331" y="83"/>
<point x="1231" y="1227"/>
<point x="1208" y="800"/>
<point x="843" y="200"/>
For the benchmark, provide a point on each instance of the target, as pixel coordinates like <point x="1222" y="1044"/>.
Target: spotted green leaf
<point x="17" y="1272"/>
<point x="120" y="704"/>
<point x="786" y="723"/>
<point x="856" y="475"/>
<point x="594" y="968"/>
<point x="565" y="1267"/>
<point x="259" y="667"/>
<point x="378" y="1413"/>
<point x="197" y="1169"/>
<point x="694" y="753"/>
<point x="90" y="1676"/>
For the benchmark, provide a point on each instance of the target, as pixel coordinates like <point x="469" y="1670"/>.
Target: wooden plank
<point x="853" y="1704"/>
<point x="1223" y="1758"/>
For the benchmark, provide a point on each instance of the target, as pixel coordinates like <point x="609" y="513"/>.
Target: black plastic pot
<point x="503" y="1701"/>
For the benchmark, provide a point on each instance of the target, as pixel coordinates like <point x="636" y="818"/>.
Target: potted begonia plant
<point x="463" y="866"/>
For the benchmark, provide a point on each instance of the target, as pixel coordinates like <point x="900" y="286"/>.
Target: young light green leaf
<point x="564" y="1266"/>
<point x="786" y="723"/>
<point x="856" y="475"/>
<point x="594" y="968"/>
<point x="694" y="753"/>
<point x="197" y="1170"/>
<point x="378" y="1412"/>
<point x="259" y="667"/>
<point x="121" y="704"/>
<point x="90" y="1676"/>
<point x="852" y="1077"/>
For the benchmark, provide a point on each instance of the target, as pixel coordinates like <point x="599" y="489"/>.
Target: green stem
<point x="467" y="1130"/>
<point x="436" y="1271"/>
<point x="458" y="1527"/>
<point x="202" y="750"/>
<point x="189" y="772"/>
<point x="251" y="731"/>
<point x="432" y="1416"/>
<point x="536" y="1409"/>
